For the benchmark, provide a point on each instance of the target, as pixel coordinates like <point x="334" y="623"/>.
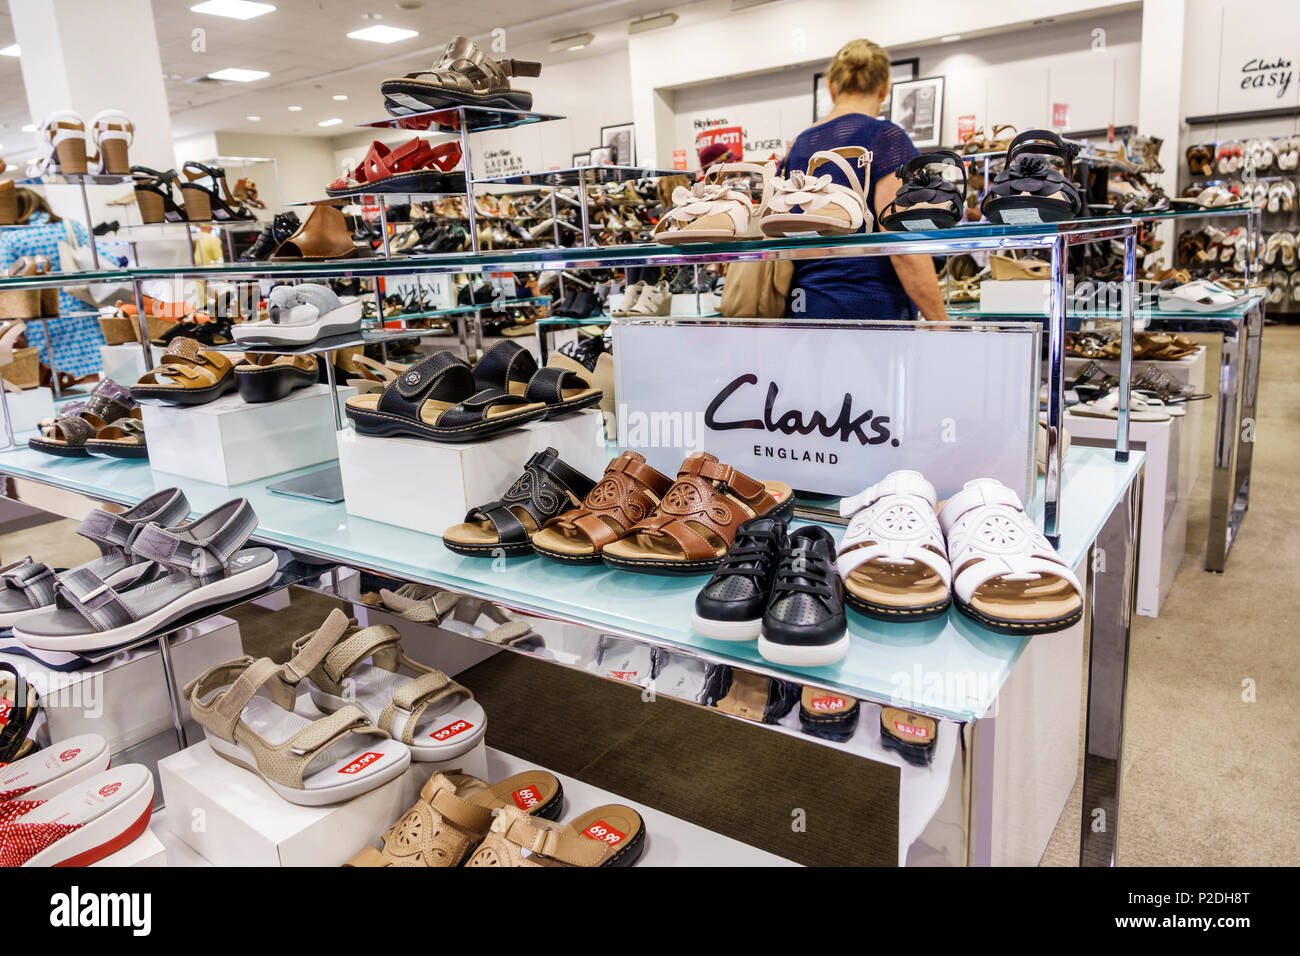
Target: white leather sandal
<point x="1007" y="576"/>
<point x="63" y="138"/>
<point x="112" y="132"/>
<point x="713" y="210"/>
<point x="825" y="207"/>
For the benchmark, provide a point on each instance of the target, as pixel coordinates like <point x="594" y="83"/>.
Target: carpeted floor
<point x="1212" y="735"/>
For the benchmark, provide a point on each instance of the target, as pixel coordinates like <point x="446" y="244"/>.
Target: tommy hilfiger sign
<point x="832" y="408"/>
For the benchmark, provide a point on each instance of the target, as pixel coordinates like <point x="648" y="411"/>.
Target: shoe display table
<point x="1006" y="707"/>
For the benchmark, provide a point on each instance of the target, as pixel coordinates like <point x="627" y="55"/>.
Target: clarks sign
<point x="1273" y="73"/>
<point x="832" y="409"/>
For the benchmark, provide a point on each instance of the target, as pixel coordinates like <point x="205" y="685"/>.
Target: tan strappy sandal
<point x="714" y="210"/>
<point x="807" y="203"/>
<point x="189" y="375"/>
<point x="612" y="835"/>
<point x="455" y="812"/>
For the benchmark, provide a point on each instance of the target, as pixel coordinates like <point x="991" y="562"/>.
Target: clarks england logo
<point x="867" y="428"/>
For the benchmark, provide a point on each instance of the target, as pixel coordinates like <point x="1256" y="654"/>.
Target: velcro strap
<point x="975" y="494"/>
<point x="110" y="532"/>
<point x="895" y="483"/>
<point x="521" y="67"/>
<point x="34" y="579"/>
<point x="426" y="685"/>
<point x="203" y="547"/>
<point x="326" y="730"/>
<point x="554" y="843"/>
<point x="504" y="363"/>
<point x="634" y="466"/>
<point x="352" y="650"/>
<point x="548" y="384"/>
<point x="98" y="603"/>
<point x="463" y="813"/>
<point x="311" y="649"/>
<point x="421" y="377"/>
<point x="492" y="396"/>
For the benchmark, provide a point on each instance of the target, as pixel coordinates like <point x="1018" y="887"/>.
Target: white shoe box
<point x="28" y="407"/>
<point x="1015" y="295"/>
<point x="1163" y="533"/>
<point x="124" y="363"/>
<point x="144" y="850"/>
<point x="124" y="699"/>
<point x="228" y="442"/>
<point x="428" y="486"/>
<point x="684" y="303"/>
<point x="232" y="817"/>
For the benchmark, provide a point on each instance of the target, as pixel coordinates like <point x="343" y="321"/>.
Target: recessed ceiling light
<point x="253" y="119"/>
<point x="575" y="42"/>
<point x="382" y="34"/>
<point x="11" y="50"/>
<point x="29" y="128"/>
<point x="295" y="109"/>
<point x="339" y="97"/>
<point x="237" y="75"/>
<point x="235" y="9"/>
<point x="950" y="38"/>
<point x="330" y="122"/>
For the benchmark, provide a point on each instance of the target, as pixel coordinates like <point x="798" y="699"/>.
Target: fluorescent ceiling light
<point x="235" y="9"/>
<point x="29" y="128"/>
<point x="339" y="97"/>
<point x="295" y="109"/>
<point x="382" y="34"/>
<point x="575" y="42"/>
<point x="746" y="4"/>
<point x="253" y="119"/>
<point x="330" y="122"/>
<point x="645" y="24"/>
<point x="950" y="38"/>
<point x="11" y="50"/>
<point x="237" y="75"/>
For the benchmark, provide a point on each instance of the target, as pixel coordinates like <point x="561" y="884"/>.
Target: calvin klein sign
<point x="831" y="408"/>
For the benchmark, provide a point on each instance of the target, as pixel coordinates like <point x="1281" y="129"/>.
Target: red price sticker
<point x="602" y="831"/>
<point x="6" y="705"/>
<point x="527" y="798"/>
<point x="828" y="703"/>
<point x="362" y="762"/>
<point x="623" y="675"/>
<point x="907" y="730"/>
<point x="451" y="730"/>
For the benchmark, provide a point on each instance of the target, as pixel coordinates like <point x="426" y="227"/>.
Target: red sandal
<point x="414" y="167"/>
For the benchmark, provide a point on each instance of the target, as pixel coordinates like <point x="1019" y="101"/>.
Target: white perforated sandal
<point x="893" y="558"/>
<point x="1007" y="576"/>
<point x="714" y="210"/>
<point x="824" y="207"/>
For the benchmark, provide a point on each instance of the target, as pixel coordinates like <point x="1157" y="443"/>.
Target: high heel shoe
<point x="63" y="137"/>
<point x="153" y="194"/>
<point x="112" y="132"/>
<point x="210" y="203"/>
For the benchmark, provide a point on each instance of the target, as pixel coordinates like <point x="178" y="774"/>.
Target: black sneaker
<point x="804" y="624"/>
<point x="280" y="228"/>
<point x="730" y="607"/>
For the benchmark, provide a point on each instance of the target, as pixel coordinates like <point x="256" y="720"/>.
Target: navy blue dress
<point x="856" y="288"/>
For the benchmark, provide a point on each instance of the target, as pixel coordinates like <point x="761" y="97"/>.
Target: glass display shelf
<point x="487" y="307"/>
<point x="452" y="119"/>
<point x="53" y="280"/>
<point x="398" y="196"/>
<point x="1198" y="212"/>
<point x="963" y="238"/>
<point x="947" y="667"/>
<point x="1153" y="316"/>
<point x="78" y="179"/>
<point x="328" y="344"/>
<point x="580" y="175"/>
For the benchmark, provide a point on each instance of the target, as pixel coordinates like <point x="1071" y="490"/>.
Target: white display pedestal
<point x="684" y="304"/>
<point x="124" y="699"/>
<point x="1015" y="295"/>
<point x="428" y="487"/>
<point x="1163" y="535"/>
<point x="232" y="817"/>
<point x="228" y="442"/>
<point x="28" y="407"/>
<point x="124" y="363"/>
<point x="144" y="850"/>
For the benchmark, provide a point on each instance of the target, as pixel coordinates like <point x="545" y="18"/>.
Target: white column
<point x="1160" y="94"/>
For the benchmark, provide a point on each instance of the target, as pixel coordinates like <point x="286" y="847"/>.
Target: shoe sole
<point x="726" y="630"/>
<point x="804" y="655"/>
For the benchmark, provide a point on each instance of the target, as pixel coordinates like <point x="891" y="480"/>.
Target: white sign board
<point x="831" y="409"/>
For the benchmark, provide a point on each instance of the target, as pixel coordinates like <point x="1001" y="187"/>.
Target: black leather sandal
<point x="1029" y="189"/>
<point x="438" y="400"/>
<point x="928" y="198"/>
<point x="546" y="489"/>
<point x="23" y="706"/>
<point x="512" y="368"/>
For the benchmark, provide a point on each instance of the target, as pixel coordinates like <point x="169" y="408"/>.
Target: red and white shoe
<point x="80" y="825"/>
<point x="56" y="768"/>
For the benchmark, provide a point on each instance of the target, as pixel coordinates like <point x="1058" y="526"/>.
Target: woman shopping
<point x="868" y="287"/>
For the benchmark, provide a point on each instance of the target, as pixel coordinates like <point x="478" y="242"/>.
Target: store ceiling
<point x="305" y="47"/>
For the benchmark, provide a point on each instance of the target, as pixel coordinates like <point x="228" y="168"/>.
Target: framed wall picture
<point x="900" y="71"/>
<point x="622" y="141"/>
<point x="582" y="159"/>
<point x="602" y="155"/>
<point x="917" y="106"/>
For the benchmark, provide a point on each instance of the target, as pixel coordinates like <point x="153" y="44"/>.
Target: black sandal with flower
<point x="932" y="194"/>
<point x="1030" y="189"/>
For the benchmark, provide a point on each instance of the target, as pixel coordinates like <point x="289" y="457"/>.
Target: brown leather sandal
<point x="629" y="492"/>
<point x="463" y="75"/>
<point x="325" y="235"/>
<point x="454" y="813"/>
<point x="67" y="434"/>
<point x="188" y="375"/>
<point x="696" y="521"/>
<point x="123" y="438"/>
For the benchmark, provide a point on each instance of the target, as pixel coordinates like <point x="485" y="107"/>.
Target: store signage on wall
<point x="730" y="136"/>
<point x="1274" y="74"/>
<point x="679" y="159"/>
<point x="965" y="126"/>
<point x="831" y="410"/>
<point x="1060" y="115"/>
<point x="502" y="162"/>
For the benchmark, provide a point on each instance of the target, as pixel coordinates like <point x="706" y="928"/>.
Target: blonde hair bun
<point x="860" y="66"/>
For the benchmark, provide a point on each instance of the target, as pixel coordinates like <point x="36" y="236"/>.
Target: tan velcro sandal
<point x="434" y="716"/>
<point x="189" y="375"/>
<point x="612" y="835"/>
<point x="454" y="813"/>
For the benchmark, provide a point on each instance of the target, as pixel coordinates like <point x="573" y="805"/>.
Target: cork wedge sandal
<point x="454" y="814"/>
<point x="629" y="491"/>
<point x="696" y="521"/>
<point x="1006" y="575"/>
<point x="893" y="558"/>
<point x="365" y="667"/>
<point x="245" y="708"/>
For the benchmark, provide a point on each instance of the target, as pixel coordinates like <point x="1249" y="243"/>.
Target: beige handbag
<point x="757" y="289"/>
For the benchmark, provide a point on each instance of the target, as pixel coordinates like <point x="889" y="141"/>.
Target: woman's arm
<point x="916" y="273"/>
